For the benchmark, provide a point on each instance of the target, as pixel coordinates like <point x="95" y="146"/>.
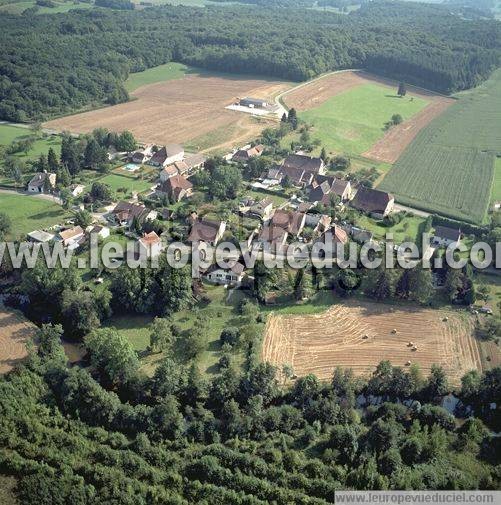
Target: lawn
<point x="353" y="121"/>
<point x="218" y="313"/>
<point x="408" y="228"/>
<point x="449" y="167"/>
<point x="9" y="134"/>
<point x="30" y="213"/>
<point x="161" y="73"/>
<point x="116" y="181"/>
<point x="496" y="186"/>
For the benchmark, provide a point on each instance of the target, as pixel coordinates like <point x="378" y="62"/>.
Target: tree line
<point x="56" y="64"/>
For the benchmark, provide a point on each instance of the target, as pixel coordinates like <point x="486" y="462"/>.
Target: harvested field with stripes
<point x="358" y="335"/>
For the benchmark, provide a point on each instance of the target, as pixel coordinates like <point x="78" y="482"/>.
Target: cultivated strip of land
<point x="449" y="168"/>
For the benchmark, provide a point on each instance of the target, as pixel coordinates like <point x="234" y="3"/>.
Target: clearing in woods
<point x="15" y="332"/>
<point x="318" y="343"/>
<point x="182" y="109"/>
<point x="348" y="111"/>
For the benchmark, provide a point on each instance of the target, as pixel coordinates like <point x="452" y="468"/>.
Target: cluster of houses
<point x="273" y="226"/>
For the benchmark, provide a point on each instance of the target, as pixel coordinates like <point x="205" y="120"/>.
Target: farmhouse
<point x="191" y="163"/>
<point x="328" y="241"/>
<point x="245" y="154"/>
<point x="176" y="188"/>
<point x="205" y="230"/>
<point x="306" y="163"/>
<point x="124" y="213"/>
<point x="232" y="276"/>
<point x="150" y="245"/>
<point x="445" y="236"/>
<point x="40" y="237"/>
<point x="42" y="182"/>
<point x="72" y="237"/>
<point x="167" y="155"/>
<point x="291" y="221"/>
<point x="376" y="203"/>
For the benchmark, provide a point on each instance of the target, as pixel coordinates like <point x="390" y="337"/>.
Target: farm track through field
<point x="360" y="335"/>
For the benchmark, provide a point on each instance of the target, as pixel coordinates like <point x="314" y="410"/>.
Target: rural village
<point x="198" y="157"/>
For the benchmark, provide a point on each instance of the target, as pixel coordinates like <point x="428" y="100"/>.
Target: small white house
<point x="150" y="245"/>
<point x="42" y="181"/>
<point x="101" y="231"/>
<point x="72" y="237"/>
<point x="77" y="189"/>
<point x="232" y="276"/>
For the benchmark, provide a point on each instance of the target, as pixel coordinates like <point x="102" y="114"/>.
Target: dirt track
<point x="15" y="331"/>
<point x="395" y="141"/>
<point x="177" y="111"/>
<point x="318" y="343"/>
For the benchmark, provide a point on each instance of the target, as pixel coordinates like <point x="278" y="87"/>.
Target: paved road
<point x="41" y="196"/>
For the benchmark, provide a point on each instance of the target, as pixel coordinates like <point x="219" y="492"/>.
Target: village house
<point x="315" y="166"/>
<point x="291" y="221"/>
<point x="328" y="241"/>
<point x="205" y="230"/>
<point x="40" y="237"/>
<point x="141" y="156"/>
<point x="262" y="210"/>
<point x="149" y="245"/>
<point x="102" y="232"/>
<point x="71" y="238"/>
<point x="324" y="189"/>
<point x="246" y="153"/>
<point x="167" y="155"/>
<point x="77" y="189"/>
<point x="226" y="276"/>
<point x="176" y="188"/>
<point x="124" y="213"/>
<point x="374" y="202"/>
<point x="445" y="236"/>
<point x="42" y="182"/>
<point x="273" y="235"/>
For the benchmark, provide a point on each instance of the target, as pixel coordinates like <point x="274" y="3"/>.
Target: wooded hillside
<point x="53" y="64"/>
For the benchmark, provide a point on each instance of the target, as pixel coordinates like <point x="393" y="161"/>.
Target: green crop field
<point x="449" y="168"/>
<point x="496" y="186"/>
<point x="29" y="213"/>
<point x="353" y="121"/>
<point x="152" y="75"/>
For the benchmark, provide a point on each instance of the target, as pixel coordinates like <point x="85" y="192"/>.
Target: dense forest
<point x="109" y="435"/>
<point x="54" y="64"/>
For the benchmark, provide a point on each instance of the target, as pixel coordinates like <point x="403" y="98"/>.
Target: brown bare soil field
<point x="318" y="343"/>
<point x="15" y="331"/>
<point x="395" y="141"/>
<point x="179" y="110"/>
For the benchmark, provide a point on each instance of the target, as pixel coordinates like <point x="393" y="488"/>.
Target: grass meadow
<point x="19" y="7"/>
<point x="353" y="121"/>
<point x="161" y="73"/>
<point x="496" y="185"/>
<point x="29" y="213"/>
<point x="449" y="168"/>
